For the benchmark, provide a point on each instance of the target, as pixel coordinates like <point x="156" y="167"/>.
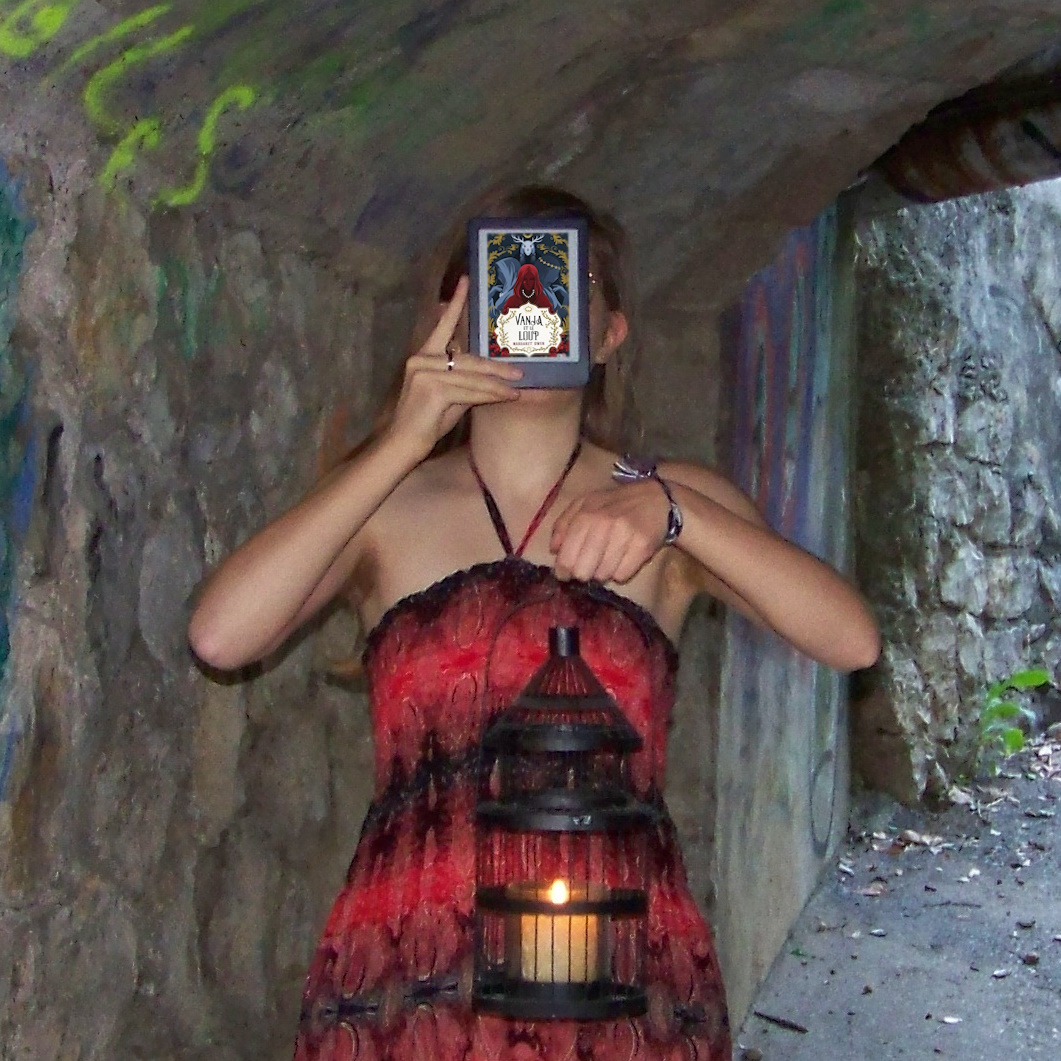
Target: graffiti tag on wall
<point x="17" y="457"/>
<point x="791" y="453"/>
<point x="27" y="26"/>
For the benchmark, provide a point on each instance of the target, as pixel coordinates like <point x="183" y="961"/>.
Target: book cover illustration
<point x="528" y="293"/>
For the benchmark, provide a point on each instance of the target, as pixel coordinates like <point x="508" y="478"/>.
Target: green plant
<point x="999" y="734"/>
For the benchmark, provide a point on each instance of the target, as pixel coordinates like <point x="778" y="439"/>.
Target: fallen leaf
<point x="921" y="839"/>
<point x="1000" y="974"/>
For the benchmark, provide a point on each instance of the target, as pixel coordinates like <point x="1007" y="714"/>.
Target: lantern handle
<point x="542" y="597"/>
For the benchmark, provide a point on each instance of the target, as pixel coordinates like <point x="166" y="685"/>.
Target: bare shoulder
<point x="404" y="542"/>
<point x="713" y="485"/>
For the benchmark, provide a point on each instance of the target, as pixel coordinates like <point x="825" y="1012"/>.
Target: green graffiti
<point x="31" y="24"/>
<point x="189" y="303"/>
<point x="920" y="22"/>
<point x="146" y="133"/>
<point x="242" y="96"/>
<point x="835" y="22"/>
<point x="102" y="80"/>
<point x="123" y="29"/>
<point x="846" y="24"/>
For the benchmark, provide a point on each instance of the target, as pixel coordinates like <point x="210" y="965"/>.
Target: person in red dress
<point x="474" y="517"/>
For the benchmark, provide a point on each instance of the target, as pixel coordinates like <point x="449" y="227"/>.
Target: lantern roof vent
<point x="564" y="708"/>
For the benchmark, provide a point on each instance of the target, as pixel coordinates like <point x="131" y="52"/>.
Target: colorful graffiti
<point x="32" y="24"/>
<point x="791" y="452"/>
<point x="783" y="386"/>
<point x="17" y="448"/>
<point x="28" y="26"/>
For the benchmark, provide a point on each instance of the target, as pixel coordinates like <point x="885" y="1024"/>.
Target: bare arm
<point x="771" y="580"/>
<point x="288" y="571"/>
<point x="735" y="556"/>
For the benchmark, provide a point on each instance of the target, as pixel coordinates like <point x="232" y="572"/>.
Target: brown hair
<point x="608" y="417"/>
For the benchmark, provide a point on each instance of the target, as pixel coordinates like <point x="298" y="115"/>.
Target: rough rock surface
<point x="171" y="838"/>
<point x="959" y="501"/>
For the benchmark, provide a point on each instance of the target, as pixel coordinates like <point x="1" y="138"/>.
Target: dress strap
<point x="543" y="508"/>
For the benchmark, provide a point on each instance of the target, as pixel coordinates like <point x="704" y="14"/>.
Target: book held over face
<point x="529" y="296"/>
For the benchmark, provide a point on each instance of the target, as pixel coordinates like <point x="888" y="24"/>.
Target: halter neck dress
<point x="392" y="974"/>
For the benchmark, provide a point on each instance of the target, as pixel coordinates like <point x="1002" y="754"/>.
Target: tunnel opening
<point x="958" y="520"/>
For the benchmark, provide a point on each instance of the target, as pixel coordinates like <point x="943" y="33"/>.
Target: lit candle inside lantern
<point x="559" y="948"/>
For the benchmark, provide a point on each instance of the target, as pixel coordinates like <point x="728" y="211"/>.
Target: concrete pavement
<point x="933" y="934"/>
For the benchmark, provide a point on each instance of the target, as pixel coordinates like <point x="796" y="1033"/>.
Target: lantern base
<point x="521" y="1000"/>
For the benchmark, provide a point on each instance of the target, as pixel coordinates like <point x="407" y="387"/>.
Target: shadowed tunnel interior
<point x="207" y="219"/>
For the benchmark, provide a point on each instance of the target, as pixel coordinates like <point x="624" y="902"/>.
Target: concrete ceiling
<point x="326" y="124"/>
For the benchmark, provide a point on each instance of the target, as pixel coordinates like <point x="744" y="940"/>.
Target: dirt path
<point x="933" y="935"/>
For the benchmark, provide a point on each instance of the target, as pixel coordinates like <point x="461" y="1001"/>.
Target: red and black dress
<point x="391" y="977"/>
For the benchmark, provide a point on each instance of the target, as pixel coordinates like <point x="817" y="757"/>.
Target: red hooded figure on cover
<point x="528" y="289"/>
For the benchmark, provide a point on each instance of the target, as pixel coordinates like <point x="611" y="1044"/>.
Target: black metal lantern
<point x="560" y="900"/>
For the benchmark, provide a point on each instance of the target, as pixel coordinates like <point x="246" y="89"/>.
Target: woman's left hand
<point x="609" y="535"/>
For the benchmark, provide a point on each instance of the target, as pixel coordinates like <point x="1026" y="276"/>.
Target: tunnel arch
<point x="370" y="126"/>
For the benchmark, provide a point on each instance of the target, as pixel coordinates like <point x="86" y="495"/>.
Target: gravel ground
<point x="934" y="934"/>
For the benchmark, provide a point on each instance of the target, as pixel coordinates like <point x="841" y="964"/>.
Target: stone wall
<point x="959" y="517"/>
<point x="170" y="839"/>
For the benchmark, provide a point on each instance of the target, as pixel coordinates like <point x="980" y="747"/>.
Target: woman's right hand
<point x="434" y="397"/>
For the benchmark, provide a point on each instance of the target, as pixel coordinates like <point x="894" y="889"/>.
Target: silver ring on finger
<point x="451" y="353"/>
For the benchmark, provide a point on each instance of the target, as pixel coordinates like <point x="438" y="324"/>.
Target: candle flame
<point x="558" y="892"/>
